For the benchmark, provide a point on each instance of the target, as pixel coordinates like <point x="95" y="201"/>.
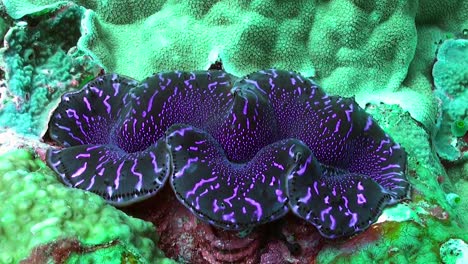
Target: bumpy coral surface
<point x="373" y="46"/>
<point x="454" y="251"/>
<point x="36" y="210"/>
<point x="239" y="152"/>
<point x="40" y="65"/>
<point x="451" y="80"/>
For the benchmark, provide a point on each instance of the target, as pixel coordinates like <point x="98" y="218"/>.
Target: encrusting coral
<point x="373" y="49"/>
<point x="451" y="81"/>
<point x="40" y="64"/>
<point x="454" y="251"/>
<point x="36" y="209"/>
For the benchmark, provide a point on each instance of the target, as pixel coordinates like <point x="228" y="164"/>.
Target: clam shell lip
<point x="238" y="152"/>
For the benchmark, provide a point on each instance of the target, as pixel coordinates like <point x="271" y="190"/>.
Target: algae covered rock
<point x="37" y="212"/>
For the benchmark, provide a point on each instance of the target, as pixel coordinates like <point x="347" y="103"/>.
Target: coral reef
<point x="41" y="63"/>
<point x="38" y="212"/>
<point x="372" y="47"/>
<point x="11" y="140"/>
<point x="60" y="251"/>
<point x="381" y="52"/>
<point x="451" y="82"/>
<point x="459" y="128"/>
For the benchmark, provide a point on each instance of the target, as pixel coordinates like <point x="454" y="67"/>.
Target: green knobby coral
<point x="36" y="209"/>
<point x="451" y="80"/>
<point x="40" y="65"/>
<point x="451" y="69"/>
<point x="376" y="50"/>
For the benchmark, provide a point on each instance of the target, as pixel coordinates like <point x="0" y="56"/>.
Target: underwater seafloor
<point x="404" y="62"/>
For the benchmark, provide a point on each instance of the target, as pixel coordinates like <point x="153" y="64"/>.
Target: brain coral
<point x="238" y="151"/>
<point x="36" y="209"/>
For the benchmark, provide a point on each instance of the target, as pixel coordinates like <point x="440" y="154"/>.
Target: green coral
<point x="405" y="242"/>
<point x="451" y="80"/>
<point x="454" y="251"/>
<point x="41" y="65"/>
<point x="459" y="128"/>
<point x="37" y="209"/>
<point x="3" y="27"/>
<point x="375" y="50"/>
<point x="18" y="9"/>
<point x="453" y="199"/>
<point x="451" y="69"/>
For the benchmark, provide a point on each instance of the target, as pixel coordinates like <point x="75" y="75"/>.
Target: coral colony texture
<point x="233" y="131"/>
<point x="238" y="152"/>
<point x="39" y="70"/>
<point x="36" y="208"/>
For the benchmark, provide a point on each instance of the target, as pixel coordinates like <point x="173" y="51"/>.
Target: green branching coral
<point x="36" y="209"/>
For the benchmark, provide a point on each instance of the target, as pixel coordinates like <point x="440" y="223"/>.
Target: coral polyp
<point x="459" y="128"/>
<point x="238" y="152"/>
